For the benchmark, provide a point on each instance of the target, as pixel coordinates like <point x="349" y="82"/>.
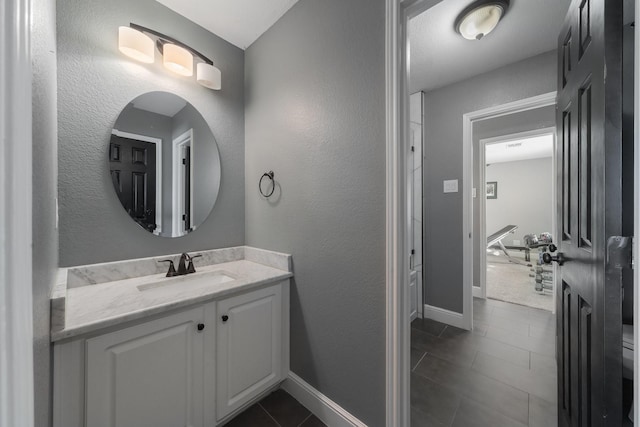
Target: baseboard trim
<point x="328" y="411"/>
<point x="445" y="316"/>
<point x="477" y="292"/>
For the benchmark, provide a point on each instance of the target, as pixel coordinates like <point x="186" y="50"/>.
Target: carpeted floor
<point x="510" y="282"/>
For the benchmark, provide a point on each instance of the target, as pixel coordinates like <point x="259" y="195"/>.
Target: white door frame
<point x="177" y="193"/>
<point x="16" y="192"/>
<point x="481" y="292"/>
<point x="398" y="15"/>
<point x="468" y="119"/>
<point x="158" y="143"/>
<point x="636" y="232"/>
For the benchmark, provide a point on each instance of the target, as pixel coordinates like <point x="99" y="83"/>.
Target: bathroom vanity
<point x="135" y="348"/>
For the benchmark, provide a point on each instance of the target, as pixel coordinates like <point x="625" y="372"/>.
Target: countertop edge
<point x="147" y="312"/>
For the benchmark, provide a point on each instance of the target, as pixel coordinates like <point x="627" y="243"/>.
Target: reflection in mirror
<point x="164" y="164"/>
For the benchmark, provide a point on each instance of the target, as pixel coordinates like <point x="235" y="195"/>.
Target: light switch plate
<point x="451" y="186"/>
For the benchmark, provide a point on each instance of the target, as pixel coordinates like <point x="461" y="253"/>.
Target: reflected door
<point x="133" y="172"/>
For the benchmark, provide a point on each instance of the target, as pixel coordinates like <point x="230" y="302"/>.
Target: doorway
<point x="446" y="203"/>
<point x="182" y="187"/>
<point x="517" y="217"/>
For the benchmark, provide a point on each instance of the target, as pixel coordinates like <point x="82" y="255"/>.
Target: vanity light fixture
<point x="177" y="59"/>
<point x="480" y="18"/>
<point x="136" y="45"/>
<point x="137" y="42"/>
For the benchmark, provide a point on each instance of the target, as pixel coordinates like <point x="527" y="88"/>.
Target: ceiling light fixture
<point x="480" y="18"/>
<point x="137" y="42"/>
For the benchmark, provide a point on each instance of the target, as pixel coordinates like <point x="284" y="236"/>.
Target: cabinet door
<point x="148" y="375"/>
<point x="248" y="347"/>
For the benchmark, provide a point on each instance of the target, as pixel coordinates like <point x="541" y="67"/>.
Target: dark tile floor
<point x="279" y="409"/>
<point x="503" y="373"/>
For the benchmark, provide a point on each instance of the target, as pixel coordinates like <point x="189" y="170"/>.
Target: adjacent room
<point x="519" y="206"/>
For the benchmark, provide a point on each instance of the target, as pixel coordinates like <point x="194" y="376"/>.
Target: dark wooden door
<point x="133" y="172"/>
<point x="589" y="153"/>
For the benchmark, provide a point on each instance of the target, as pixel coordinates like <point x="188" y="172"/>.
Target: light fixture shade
<point x="480" y="19"/>
<point x="209" y="76"/>
<point x="135" y="44"/>
<point x="177" y="59"/>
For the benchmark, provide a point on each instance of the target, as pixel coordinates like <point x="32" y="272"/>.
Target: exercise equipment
<point x="496" y="239"/>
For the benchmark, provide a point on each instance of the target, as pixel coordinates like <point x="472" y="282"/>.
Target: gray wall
<point x="45" y="172"/>
<point x="95" y="82"/>
<point x="538" y="118"/>
<point x="524" y="198"/>
<point x="444" y="109"/>
<point x="315" y="115"/>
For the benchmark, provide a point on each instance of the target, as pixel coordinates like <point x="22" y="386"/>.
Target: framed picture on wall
<point x="492" y="190"/>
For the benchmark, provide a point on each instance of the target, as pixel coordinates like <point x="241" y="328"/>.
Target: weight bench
<point x="496" y="239"/>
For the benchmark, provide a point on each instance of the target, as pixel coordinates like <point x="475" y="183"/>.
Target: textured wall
<point x="538" y="118"/>
<point x="443" y="113"/>
<point x="45" y="168"/>
<point x="524" y="198"/>
<point x="315" y="115"/>
<point x="95" y="82"/>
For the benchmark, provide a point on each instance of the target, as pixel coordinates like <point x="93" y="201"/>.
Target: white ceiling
<point x="537" y="147"/>
<point x="160" y="103"/>
<point x="440" y="56"/>
<point x="239" y="22"/>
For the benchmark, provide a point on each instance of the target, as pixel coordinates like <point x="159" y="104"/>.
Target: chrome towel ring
<point x="269" y="175"/>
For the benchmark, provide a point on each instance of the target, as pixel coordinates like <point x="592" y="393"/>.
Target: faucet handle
<point x="172" y="268"/>
<point x="192" y="268"/>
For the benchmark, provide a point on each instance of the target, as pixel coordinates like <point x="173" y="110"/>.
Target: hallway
<point x="503" y="373"/>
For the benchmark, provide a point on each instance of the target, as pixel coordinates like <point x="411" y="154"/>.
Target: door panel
<point x="589" y="210"/>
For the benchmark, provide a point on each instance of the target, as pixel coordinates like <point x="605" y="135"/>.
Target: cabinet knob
<point x="200" y="326"/>
<point x="225" y="318"/>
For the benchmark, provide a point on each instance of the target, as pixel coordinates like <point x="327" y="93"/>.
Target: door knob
<point x="225" y="318"/>
<point x="547" y="258"/>
<point x="200" y="326"/>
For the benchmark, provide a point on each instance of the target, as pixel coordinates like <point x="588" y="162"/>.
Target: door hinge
<point x="184" y="161"/>
<point x="413" y="148"/>
<point x="620" y="252"/>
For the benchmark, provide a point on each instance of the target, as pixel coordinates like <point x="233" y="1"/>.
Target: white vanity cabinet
<point x="191" y="368"/>
<point x="150" y="374"/>
<point x="249" y="350"/>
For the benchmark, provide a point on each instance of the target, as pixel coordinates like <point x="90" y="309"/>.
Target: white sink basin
<point x="208" y="277"/>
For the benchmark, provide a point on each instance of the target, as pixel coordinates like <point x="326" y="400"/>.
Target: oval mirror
<point x="164" y="164"/>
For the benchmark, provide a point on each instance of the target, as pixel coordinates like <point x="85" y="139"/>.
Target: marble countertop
<point x="95" y="306"/>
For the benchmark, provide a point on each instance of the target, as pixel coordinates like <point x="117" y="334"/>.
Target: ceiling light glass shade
<point x="177" y="59"/>
<point x="209" y="76"/>
<point x="481" y="20"/>
<point x="135" y="44"/>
